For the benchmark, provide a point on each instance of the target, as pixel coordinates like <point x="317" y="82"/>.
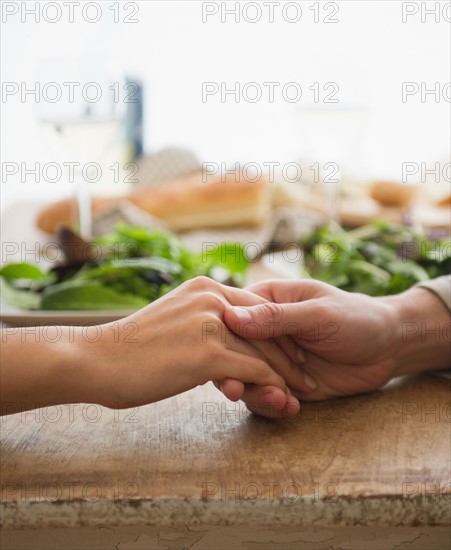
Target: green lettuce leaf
<point x="79" y="295"/>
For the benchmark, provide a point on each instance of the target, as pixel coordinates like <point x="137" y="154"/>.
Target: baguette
<point x="64" y="213"/>
<point x="185" y="203"/>
<point x="391" y="193"/>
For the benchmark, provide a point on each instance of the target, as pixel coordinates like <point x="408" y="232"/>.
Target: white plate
<point x="23" y="318"/>
<point x="271" y="267"/>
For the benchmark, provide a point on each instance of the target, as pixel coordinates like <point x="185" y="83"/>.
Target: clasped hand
<point x="270" y="345"/>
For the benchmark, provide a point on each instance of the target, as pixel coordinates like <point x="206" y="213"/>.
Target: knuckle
<point x="210" y="318"/>
<point x="258" y="354"/>
<point x="201" y="283"/>
<point x="213" y="300"/>
<point x="256" y="287"/>
<point x="324" y="310"/>
<point x="271" y="312"/>
<point x="261" y="370"/>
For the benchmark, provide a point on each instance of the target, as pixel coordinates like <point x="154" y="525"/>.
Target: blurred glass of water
<point x="84" y="128"/>
<point x="329" y="138"/>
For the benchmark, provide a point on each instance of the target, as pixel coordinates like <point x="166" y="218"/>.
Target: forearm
<point x="422" y="329"/>
<point x="45" y="366"/>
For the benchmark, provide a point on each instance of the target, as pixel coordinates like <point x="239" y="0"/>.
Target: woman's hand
<point x="172" y="345"/>
<point x="180" y="342"/>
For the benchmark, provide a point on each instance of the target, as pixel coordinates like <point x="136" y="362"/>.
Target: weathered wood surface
<point x="378" y="459"/>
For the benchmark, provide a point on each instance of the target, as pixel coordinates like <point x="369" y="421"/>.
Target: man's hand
<point x="352" y="343"/>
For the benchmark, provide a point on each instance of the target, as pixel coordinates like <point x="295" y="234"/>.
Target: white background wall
<point x="369" y="53"/>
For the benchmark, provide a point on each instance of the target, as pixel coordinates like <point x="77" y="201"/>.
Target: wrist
<point x="57" y="365"/>
<point x="78" y="367"/>
<point x="113" y="367"/>
<point x="83" y="366"/>
<point x="420" y="329"/>
<point x="46" y="366"/>
<point x="94" y="361"/>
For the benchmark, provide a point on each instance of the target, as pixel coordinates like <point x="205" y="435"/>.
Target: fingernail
<point x="309" y="382"/>
<point x="267" y="399"/>
<point x="301" y="356"/>
<point x="243" y="315"/>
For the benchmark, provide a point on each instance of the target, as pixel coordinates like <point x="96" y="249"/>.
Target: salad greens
<point x="124" y="269"/>
<point x="132" y="266"/>
<point x="376" y="259"/>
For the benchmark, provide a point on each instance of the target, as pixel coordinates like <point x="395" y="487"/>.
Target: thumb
<point x="265" y="321"/>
